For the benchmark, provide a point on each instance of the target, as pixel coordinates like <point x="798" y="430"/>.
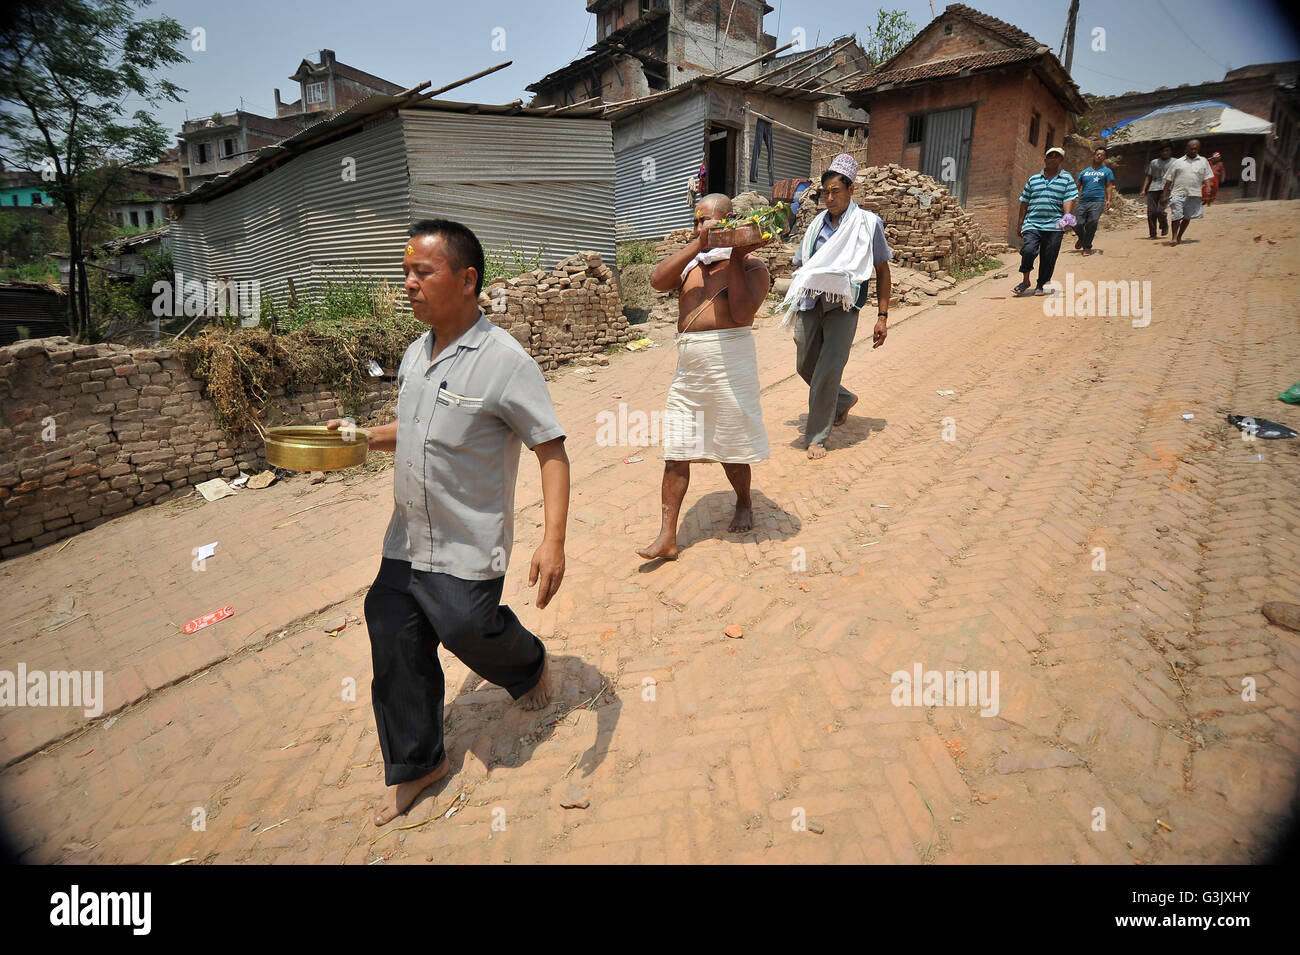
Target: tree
<point x="67" y="68"/>
<point x="893" y="32"/>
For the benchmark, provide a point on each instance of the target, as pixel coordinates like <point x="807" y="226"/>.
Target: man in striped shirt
<point x="1047" y="198"/>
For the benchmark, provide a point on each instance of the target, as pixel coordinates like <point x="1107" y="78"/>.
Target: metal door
<point x="945" y="150"/>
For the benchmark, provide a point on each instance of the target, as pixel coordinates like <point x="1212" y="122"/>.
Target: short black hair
<point x="848" y="183"/>
<point x="465" y="250"/>
<point x="1164" y="146"/>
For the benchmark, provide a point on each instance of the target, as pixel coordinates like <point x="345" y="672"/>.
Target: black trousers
<point x="409" y="612"/>
<point x="1043" y="245"/>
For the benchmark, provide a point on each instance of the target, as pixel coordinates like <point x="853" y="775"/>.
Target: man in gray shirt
<point x="1153" y="187"/>
<point x="468" y="396"/>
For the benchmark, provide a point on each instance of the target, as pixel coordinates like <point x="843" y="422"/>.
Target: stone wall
<point x="88" y="432"/>
<point x="560" y="315"/>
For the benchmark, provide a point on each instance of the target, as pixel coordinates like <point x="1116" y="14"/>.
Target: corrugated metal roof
<point x="371" y="106"/>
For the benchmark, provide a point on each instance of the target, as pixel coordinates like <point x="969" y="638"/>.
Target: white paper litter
<point x="241" y="480"/>
<point x="207" y="550"/>
<point x="1189" y="416"/>
<point x="215" y="489"/>
<point x="945" y="394"/>
<point x="374" y="369"/>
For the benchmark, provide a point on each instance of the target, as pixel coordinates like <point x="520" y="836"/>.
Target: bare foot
<point x="742" y="521"/>
<point x="398" y="798"/>
<point x="843" y="416"/>
<point x="540" y="695"/>
<point x="661" y="549"/>
<point x="816" y="452"/>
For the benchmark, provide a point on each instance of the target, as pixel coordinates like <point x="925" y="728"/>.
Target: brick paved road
<point x="1103" y="556"/>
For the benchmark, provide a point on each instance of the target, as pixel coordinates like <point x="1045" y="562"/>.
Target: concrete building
<point x="646" y="46"/>
<point x="23" y="190"/>
<point x="225" y="141"/>
<point x="973" y="102"/>
<point x="326" y="87"/>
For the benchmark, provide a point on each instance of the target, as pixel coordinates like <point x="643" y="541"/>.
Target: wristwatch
<point x="882" y="314"/>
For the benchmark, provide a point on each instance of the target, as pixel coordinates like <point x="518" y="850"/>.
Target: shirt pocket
<point x="457" y="419"/>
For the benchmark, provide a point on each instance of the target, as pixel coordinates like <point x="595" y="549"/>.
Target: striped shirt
<point x="1047" y="198"/>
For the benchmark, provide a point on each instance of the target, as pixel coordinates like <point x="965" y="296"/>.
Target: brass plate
<point x="315" y="448"/>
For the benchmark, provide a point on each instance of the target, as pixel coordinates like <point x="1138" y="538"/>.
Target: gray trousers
<point x="823" y="338"/>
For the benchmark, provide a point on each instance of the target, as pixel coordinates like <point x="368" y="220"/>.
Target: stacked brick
<point x="562" y="314"/>
<point x="88" y="432"/>
<point x="926" y="226"/>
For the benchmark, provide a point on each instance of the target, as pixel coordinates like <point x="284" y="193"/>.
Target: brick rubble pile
<point x="562" y="314"/>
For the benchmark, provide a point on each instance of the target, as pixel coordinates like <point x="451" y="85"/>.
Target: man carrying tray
<point x="467" y="396"/>
<point x="713" y="411"/>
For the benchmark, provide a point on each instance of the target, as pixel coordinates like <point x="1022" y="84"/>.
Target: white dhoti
<point x="713" y="411"/>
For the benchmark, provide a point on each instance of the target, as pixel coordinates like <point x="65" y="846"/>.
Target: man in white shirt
<point x="1183" y="181"/>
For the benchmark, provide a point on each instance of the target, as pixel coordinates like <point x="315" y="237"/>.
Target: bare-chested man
<point x="713" y="411"/>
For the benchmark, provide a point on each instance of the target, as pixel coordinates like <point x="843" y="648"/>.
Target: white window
<point x="315" y="93"/>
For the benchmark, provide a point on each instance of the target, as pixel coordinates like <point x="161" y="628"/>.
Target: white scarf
<point x="839" y="267"/>
<point x="707" y="257"/>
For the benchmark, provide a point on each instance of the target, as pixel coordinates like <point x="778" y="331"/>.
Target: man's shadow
<point x="708" y="519"/>
<point x="482" y="719"/>
<point x="853" y="431"/>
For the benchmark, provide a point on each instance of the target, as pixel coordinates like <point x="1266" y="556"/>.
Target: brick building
<point x="973" y="102"/>
<point x="1266" y="90"/>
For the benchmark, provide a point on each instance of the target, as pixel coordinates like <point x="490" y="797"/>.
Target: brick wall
<point x="88" y="432"/>
<point x="1001" y="156"/>
<point x="572" y="310"/>
<point x="132" y="427"/>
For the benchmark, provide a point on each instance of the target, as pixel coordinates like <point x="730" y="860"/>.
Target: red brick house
<point x="973" y="102"/>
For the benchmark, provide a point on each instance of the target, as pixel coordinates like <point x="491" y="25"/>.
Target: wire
<point x="1189" y="36"/>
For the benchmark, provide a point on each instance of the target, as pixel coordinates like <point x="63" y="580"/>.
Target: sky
<point x="252" y="46"/>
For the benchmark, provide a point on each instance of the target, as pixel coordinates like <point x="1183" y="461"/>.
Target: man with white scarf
<point x="836" y="257"/>
<point x="713" y="411"/>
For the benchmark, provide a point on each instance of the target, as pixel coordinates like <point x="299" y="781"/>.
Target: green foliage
<point x="331" y="338"/>
<point x="31" y="272"/>
<point x="67" y="67"/>
<point x="975" y="267"/>
<point x="25" y="238"/>
<point x="892" y="32"/>
<point x="635" y="253"/>
<point x="771" y="220"/>
<point x="509" y="262"/>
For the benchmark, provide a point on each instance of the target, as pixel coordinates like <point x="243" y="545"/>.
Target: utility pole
<point x="1067" y="44"/>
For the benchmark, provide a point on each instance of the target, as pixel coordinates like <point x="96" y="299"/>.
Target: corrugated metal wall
<point x="651" y="200"/>
<point x="793" y="156"/>
<point x="305" y="220"/>
<point x="523" y="181"/>
<point x="947" y="140"/>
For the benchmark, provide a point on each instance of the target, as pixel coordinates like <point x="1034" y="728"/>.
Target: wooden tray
<point x="726" y="238"/>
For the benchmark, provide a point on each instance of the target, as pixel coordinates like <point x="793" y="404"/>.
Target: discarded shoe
<point x="1259" y="427"/>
